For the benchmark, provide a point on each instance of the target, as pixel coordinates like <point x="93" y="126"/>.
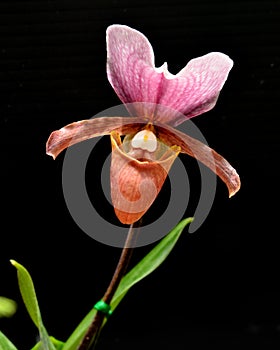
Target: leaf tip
<point x="188" y="220"/>
<point x="13" y="262"/>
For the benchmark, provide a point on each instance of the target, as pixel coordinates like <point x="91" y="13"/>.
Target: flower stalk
<point x="91" y="336"/>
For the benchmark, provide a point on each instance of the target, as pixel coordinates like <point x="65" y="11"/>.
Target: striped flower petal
<point x="132" y="73"/>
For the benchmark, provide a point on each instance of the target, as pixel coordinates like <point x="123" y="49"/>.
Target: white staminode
<point x="145" y="140"/>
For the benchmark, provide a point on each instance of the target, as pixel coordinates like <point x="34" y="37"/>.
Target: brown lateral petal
<point x="203" y="153"/>
<point x="86" y="129"/>
<point x="135" y="184"/>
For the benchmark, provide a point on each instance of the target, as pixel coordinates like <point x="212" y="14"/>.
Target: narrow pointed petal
<point x="135" y="184"/>
<point x="204" y="154"/>
<point x="86" y="129"/>
<point x="132" y="73"/>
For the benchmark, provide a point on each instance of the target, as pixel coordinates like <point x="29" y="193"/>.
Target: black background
<point x="220" y="285"/>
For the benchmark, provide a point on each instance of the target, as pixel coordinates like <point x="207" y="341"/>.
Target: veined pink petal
<point x="130" y="67"/>
<point x="86" y="129"/>
<point x="195" y="89"/>
<point x="203" y="153"/>
<point x="133" y="75"/>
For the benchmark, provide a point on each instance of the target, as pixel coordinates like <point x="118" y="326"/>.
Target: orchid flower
<point x="157" y="101"/>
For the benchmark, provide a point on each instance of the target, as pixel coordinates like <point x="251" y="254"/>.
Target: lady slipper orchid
<point x="157" y="101"/>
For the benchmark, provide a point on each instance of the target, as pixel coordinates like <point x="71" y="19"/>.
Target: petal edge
<point x="206" y="155"/>
<point x="85" y="129"/>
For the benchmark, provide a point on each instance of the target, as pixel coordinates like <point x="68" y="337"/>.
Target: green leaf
<point x="150" y="262"/>
<point x="5" y="343"/>
<point x="7" y="307"/>
<point x="75" y="338"/>
<point x="146" y="266"/>
<point x="29" y="297"/>
<point x="57" y="343"/>
<point x="28" y="293"/>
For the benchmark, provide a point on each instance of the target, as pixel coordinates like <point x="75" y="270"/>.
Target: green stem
<point x="90" y="338"/>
